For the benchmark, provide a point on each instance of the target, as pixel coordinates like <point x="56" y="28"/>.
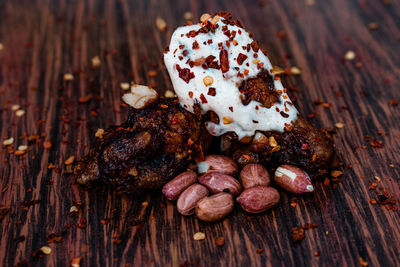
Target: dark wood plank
<point x="43" y="40"/>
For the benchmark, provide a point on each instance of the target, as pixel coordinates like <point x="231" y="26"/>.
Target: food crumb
<point x="199" y="236"/>
<point x="259" y="250"/>
<point x="22" y="147"/>
<point x="20" y="113"/>
<point x="46" y="250"/>
<point x="363" y="263"/>
<point x="297" y="233"/>
<point x="8" y="141"/>
<point x="350" y="55"/>
<point x="373" y="26"/>
<point x="188" y="15"/>
<point x="99" y="133"/>
<point x="70" y="160"/>
<point x="1" y="46"/>
<point x="161" y="24"/>
<point x="96" y="62"/>
<point x="124" y="86"/>
<point x="220" y="241"/>
<point x="68" y="77"/>
<point x="169" y="93"/>
<point x="76" y="262"/>
<point x="339" y="125"/>
<point x="15" y="107"/>
<point x="295" y="71"/>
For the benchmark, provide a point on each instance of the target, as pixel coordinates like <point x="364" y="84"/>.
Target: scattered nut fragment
<point x="1" y="46"/>
<point x="220" y="182"/>
<point x="220" y="241"/>
<point x="373" y="26"/>
<point x="205" y="17"/>
<point x="208" y="80"/>
<point x="187" y="201"/>
<point x="73" y="209"/>
<point x="214" y="20"/>
<point x="272" y="141"/>
<point x="336" y="173"/>
<point x="69" y="160"/>
<point x="176" y="186"/>
<point x="293" y="179"/>
<point x="22" y="147"/>
<point x="19" y="152"/>
<point x="46" y="250"/>
<point x="96" y="61"/>
<point x="99" y="133"/>
<point x="15" y="107"/>
<point x="199" y="236"/>
<point x="295" y="71"/>
<point x="260" y="138"/>
<point x="8" y="141"/>
<point x="140" y="96"/>
<point x="188" y="15"/>
<point x="339" y="125"/>
<point x="350" y="55"/>
<point x="124" y="86"/>
<point x="258" y="199"/>
<point x="217" y="163"/>
<point x="254" y="175"/>
<point x="20" y="113"/>
<point x="227" y="120"/>
<point x="161" y="24"/>
<point x="68" y="77"/>
<point x="76" y="262"/>
<point x="214" y="207"/>
<point x="276" y="70"/>
<point x="169" y="93"/>
<point x="363" y="263"/>
<point x="297" y="233"/>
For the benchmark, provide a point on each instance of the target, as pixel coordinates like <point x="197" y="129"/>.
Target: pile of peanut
<point x="212" y="195"/>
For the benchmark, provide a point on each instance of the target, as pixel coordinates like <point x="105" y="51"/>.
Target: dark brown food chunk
<point x="149" y="149"/>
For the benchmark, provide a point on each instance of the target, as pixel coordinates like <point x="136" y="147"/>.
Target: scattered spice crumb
<point x="99" y="133"/>
<point x="76" y="262"/>
<point x="188" y="15"/>
<point x="295" y="71"/>
<point x="96" y="61"/>
<point x="259" y="250"/>
<point x="373" y="26"/>
<point x="161" y="24"/>
<point x="46" y="250"/>
<point x="70" y="160"/>
<point x="363" y="263"/>
<point x="20" y="113"/>
<point x="350" y="55"/>
<point x="8" y="141"/>
<point x="336" y="173"/>
<point x="47" y="144"/>
<point x="316" y="253"/>
<point x="199" y="236"/>
<point x="124" y="86"/>
<point x="1" y="46"/>
<point x="68" y="77"/>
<point x="297" y="233"/>
<point x="393" y="103"/>
<point x="220" y="241"/>
<point x="339" y="125"/>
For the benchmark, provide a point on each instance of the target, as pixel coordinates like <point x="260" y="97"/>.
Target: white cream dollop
<point x="187" y="46"/>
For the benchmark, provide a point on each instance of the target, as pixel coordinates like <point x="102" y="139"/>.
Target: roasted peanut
<point x="173" y="188"/>
<point x="293" y="179"/>
<point x="258" y="199"/>
<point x="140" y="96"/>
<point x="217" y="163"/>
<point x="219" y="182"/>
<point x="254" y="175"/>
<point x="214" y="207"/>
<point x="187" y="201"/>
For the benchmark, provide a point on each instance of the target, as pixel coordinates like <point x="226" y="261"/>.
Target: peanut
<point x="218" y="163"/>
<point x="254" y="175"/>
<point x="214" y="207"/>
<point x="173" y="188"/>
<point x="293" y="179"/>
<point x="258" y="199"/>
<point x="140" y="96"/>
<point x="187" y="201"/>
<point x="220" y="182"/>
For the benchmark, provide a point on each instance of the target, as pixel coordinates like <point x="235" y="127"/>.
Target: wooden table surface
<point x="42" y="40"/>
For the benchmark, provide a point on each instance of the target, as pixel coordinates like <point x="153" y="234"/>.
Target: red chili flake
<point x="163" y="106"/>
<point x="181" y="46"/>
<point x="185" y="73"/>
<point x="297" y="234"/>
<point x="304" y="146"/>
<point x="203" y="99"/>
<point x="259" y="251"/>
<point x="393" y="103"/>
<point x="190" y="94"/>
<point x="192" y="33"/>
<point x="224" y="61"/>
<point x="376" y="143"/>
<point x="231" y="109"/>
<point x="241" y="58"/>
<point x="211" y="91"/>
<point x="281" y="35"/>
<point x="195" y="45"/>
<point x="283" y="114"/>
<point x="255" y="46"/>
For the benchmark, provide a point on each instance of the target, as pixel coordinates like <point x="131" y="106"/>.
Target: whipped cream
<point x="207" y="65"/>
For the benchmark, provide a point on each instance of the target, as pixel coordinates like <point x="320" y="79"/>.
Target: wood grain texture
<point x="43" y="40"/>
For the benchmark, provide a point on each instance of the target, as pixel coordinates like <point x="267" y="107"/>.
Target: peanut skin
<point x="258" y="199"/>
<point x="173" y="188"/>
<point x="214" y="207"/>
<point x="220" y="182"/>
<point x="218" y="163"/>
<point x="293" y="179"/>
<point x="254" y="175"/>
<point x="187" y="201"/>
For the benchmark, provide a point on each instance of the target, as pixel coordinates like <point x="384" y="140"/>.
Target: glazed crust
<point x="145" y="152"/>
